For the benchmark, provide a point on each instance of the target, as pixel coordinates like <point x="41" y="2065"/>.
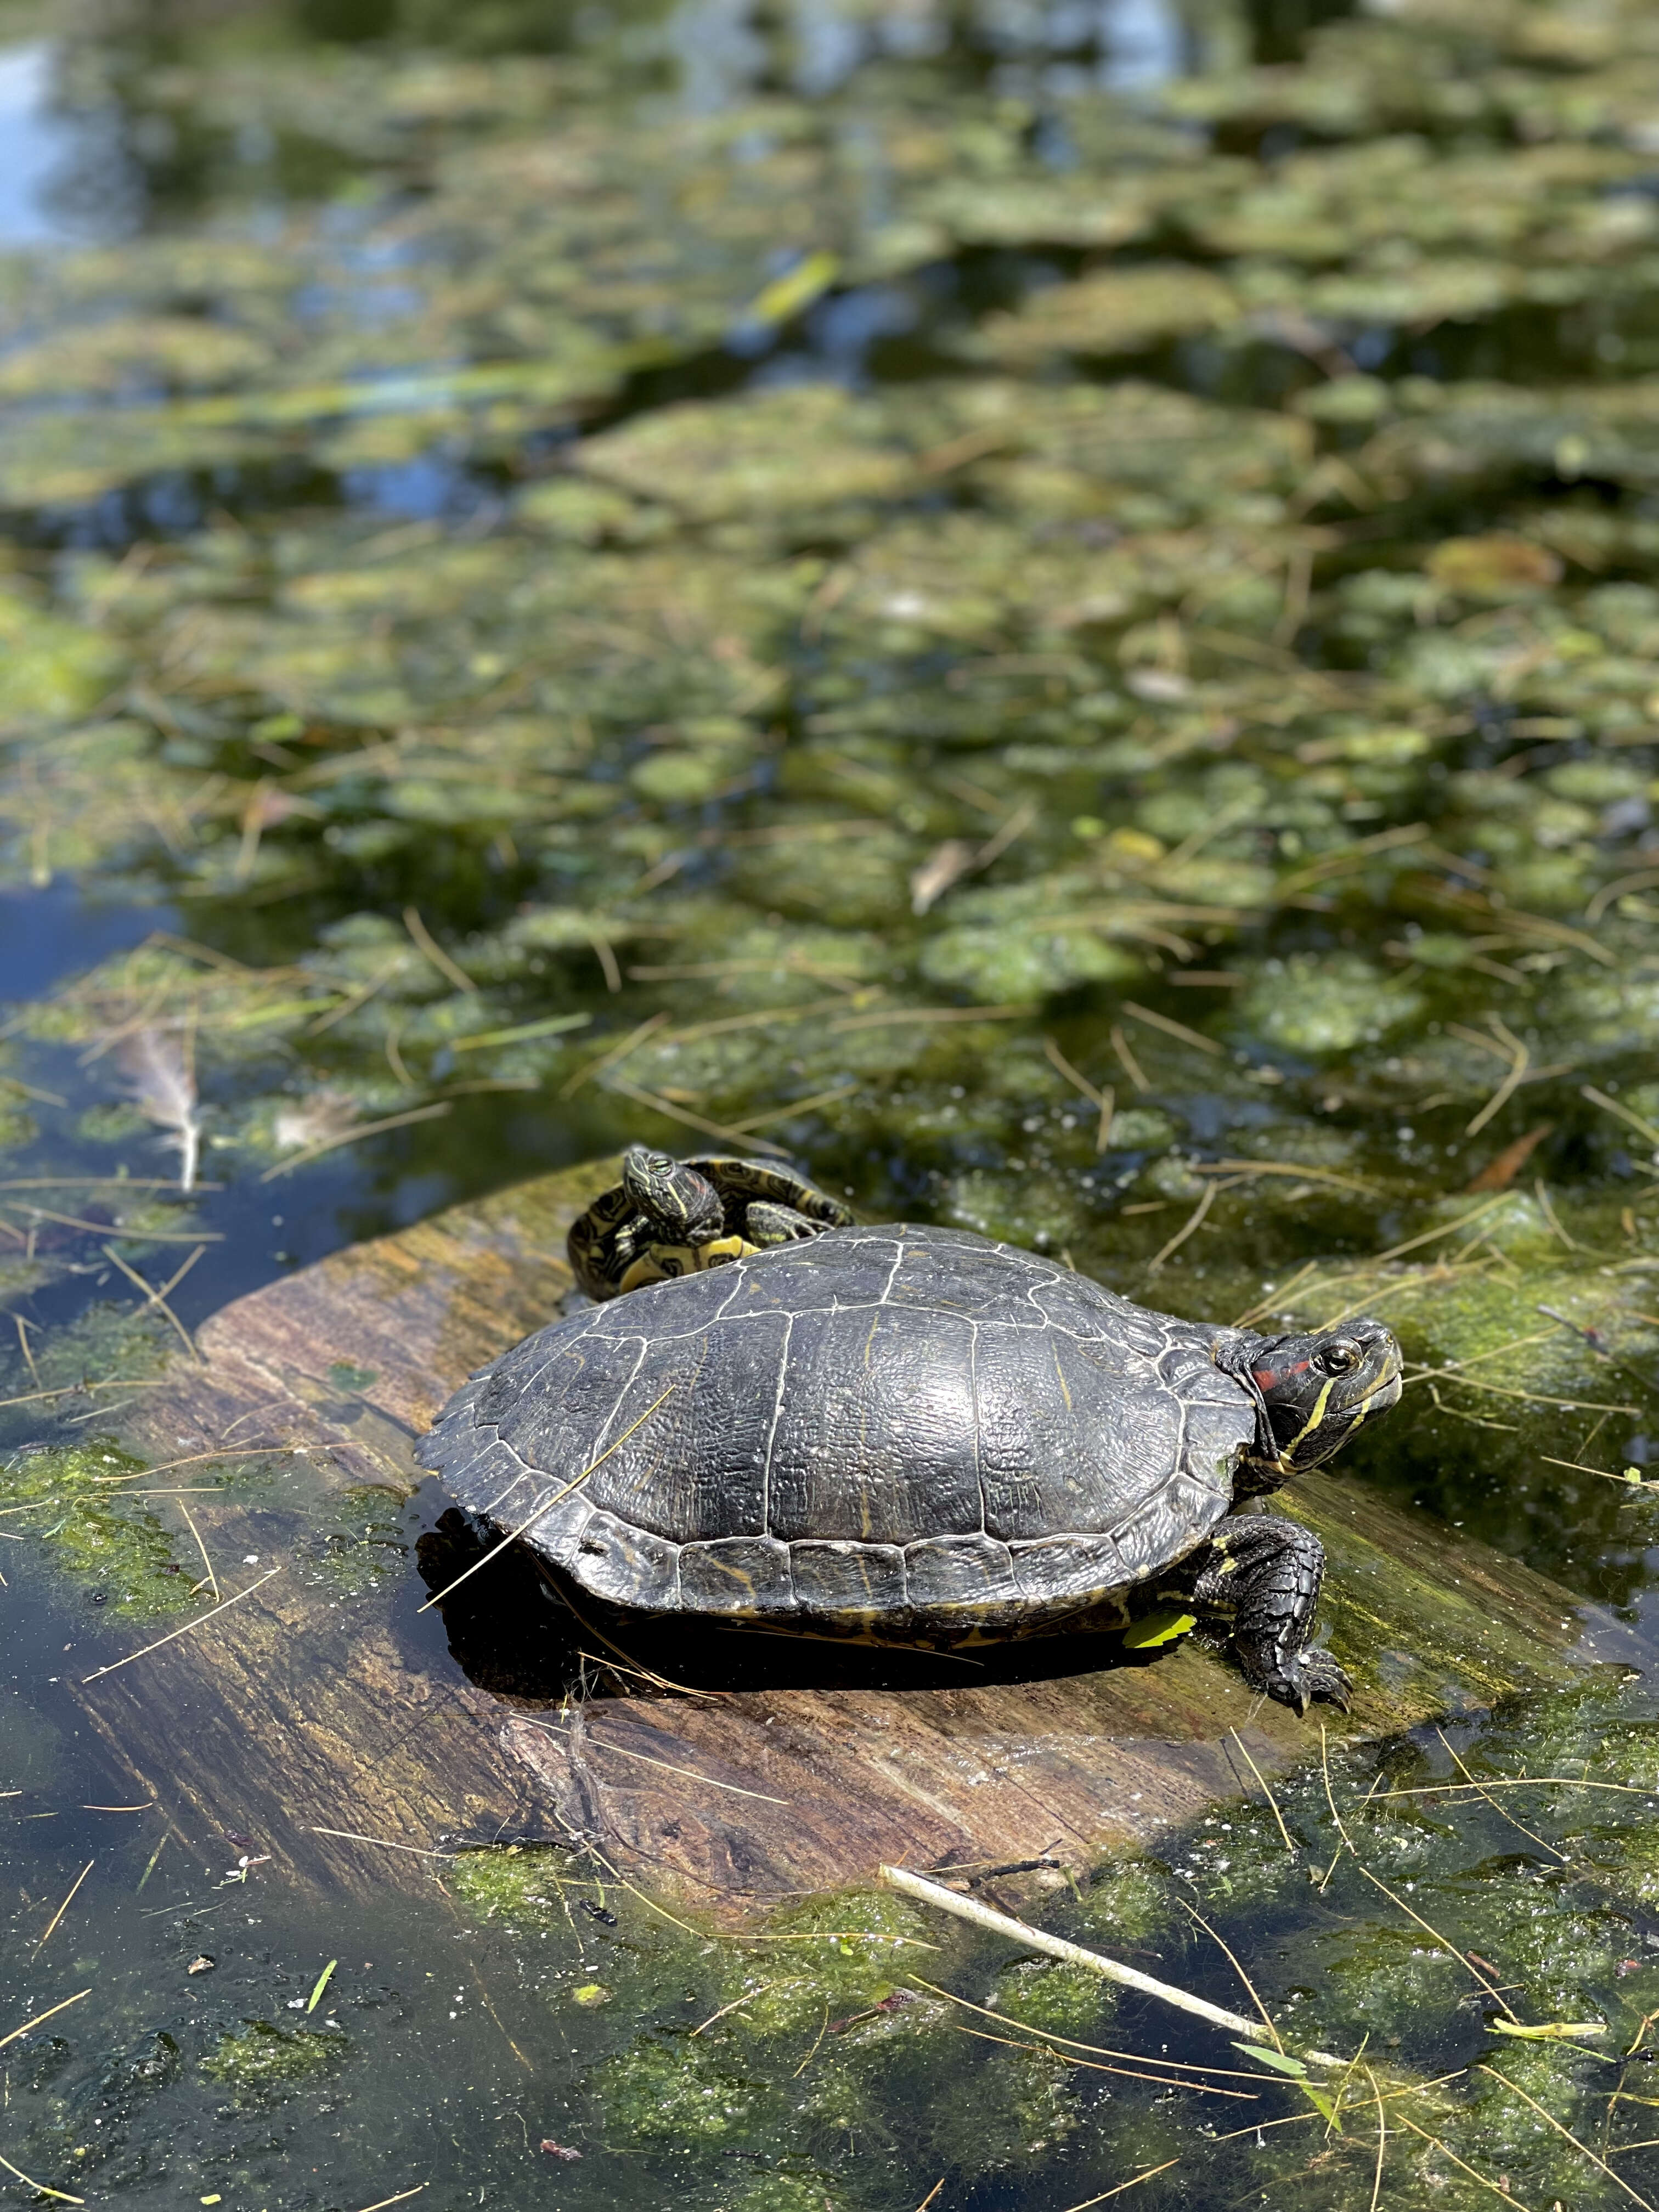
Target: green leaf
<point x="1280" y="2061"/>
<point x="1323" y="2103"/>
<point x="323" y="1980"/>
<point x="1162" y="1627"/>
<point x="798" y="287"/>
<point x="1550" y="2031"/>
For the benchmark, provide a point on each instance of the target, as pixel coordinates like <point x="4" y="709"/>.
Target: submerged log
<point x="309" y="1715"/>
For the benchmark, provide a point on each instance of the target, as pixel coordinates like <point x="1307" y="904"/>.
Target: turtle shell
<point x="910" y="1435"/>
<point x="604" y="1273"/>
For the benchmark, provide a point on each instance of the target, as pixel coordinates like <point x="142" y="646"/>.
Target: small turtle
<point x="669" y="1216"/>
<point x="916" y="1436"/>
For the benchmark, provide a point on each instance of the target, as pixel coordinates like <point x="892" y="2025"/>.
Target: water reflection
<point x="53" y="153"/>
<point x="726" y="49"/>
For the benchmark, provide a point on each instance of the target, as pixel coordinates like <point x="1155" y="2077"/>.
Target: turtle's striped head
<point x="1317" y="1390"/>
<point x="675" y="1198"/>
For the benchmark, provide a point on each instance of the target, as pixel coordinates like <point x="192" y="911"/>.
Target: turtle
<point x="669" y="1216"/>
<point x="908" y="1435"/>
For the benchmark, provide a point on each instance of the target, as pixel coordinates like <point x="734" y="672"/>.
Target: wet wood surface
<point x="306" y="1708"/>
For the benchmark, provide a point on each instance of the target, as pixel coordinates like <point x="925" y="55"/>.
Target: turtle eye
<point x="1340" y="1358"/>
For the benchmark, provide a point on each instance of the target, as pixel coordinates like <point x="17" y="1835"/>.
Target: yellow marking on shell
<point x="663" y="1263"/>
<point x="1060" y="1376"/>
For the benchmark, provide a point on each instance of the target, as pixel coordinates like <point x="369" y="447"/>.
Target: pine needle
<point x="1174" y="1028"/>
<point x="154" y="1298"/>
<point x="1445" y="1943"/>
<point x="382" y="1843"/>
<point x="29" y="2026"/>
<point x="1190" y="1227"/>
<point x="1272" y="1800"/>
<point x="403" y="2195"/>
<point x="1382" y="2139"/>
<point x="68" y="1901"/>
<point x="557" y="1497"/>
<point x="23" y="1347"/>
<point x="737" y="2004"/>
<point x="200" y="1620"/>
<point x="62" y="2195"/>
<point x="1097" y="2066"/>
<point x="1514" y="2201"/>
<point x="352" y="1135"/>
<point x="425" y="942"/>
<point x="212" y="1579"/>
<point x="601" y="1743"/>
<point x="1474" y="1783"/>
<point x="1583" y="2149"/>
<point x="813" y="2053"/>
<point x="1096" y="2050"/>
<point x="1232" y="1961"/>
<point x="1133" y="2182"/>
<point x="1126" y="1059"/>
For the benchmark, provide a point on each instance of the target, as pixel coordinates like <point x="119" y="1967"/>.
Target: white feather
<point x="162" y="1083"/>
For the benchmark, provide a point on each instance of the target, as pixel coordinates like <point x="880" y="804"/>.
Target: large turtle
<point x="915" y="1435"/>
<point x="669" y="1216"/>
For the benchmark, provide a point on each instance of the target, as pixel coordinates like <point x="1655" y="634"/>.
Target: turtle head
<point x="1316" y="1390"/>
<point x="674" y="1198"/>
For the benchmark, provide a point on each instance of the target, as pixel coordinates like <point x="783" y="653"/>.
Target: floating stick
<point x="1056" y="1946"/>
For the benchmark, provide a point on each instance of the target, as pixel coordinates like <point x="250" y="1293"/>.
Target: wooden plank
<point x="302" y="1709"/>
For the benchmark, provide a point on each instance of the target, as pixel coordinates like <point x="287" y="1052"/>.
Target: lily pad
<point x="1121" y="311"/>
<point x="1320" y="1004"/>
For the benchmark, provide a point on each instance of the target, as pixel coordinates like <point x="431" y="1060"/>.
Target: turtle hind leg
<point x="1267" y="1573"/>
<point x="765" y="1222"/>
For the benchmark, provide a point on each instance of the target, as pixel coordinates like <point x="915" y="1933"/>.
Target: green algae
<point x="359" y="1543"/>
<point x="114" y="1553"/>
<point x="262" y="2063"/>
<point x="1327" y="1006"/>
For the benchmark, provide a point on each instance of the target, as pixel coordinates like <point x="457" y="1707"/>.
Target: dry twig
<point x="1056" y="1946"/>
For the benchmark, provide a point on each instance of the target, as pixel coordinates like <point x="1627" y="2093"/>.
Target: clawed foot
<point x="1310" y="1676"/>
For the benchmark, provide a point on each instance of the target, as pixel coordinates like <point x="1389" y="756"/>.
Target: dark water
<point x="1136" y="520"/>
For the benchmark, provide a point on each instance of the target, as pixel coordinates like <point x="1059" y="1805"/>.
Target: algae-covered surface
<point x="1054" y="612"/>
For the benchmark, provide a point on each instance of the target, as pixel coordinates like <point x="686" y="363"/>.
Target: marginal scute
<point x="742" y="1575"/>
<point x="628" y="1566"/>
<point x="1156" y="1534"/>
<point x="949" y="1570"/>
<point x="1076" y="1568"/>
<point x="848" y="1581"/>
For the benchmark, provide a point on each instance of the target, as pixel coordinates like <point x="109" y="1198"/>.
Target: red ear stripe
<point x="1270" y="1378"/>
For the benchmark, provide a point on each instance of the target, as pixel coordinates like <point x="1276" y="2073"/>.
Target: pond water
<point x="1053" y="609"/>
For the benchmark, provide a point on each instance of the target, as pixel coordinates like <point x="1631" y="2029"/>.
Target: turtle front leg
<point x="767" y="1222"/>
<point x="1267" y="1574"/>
